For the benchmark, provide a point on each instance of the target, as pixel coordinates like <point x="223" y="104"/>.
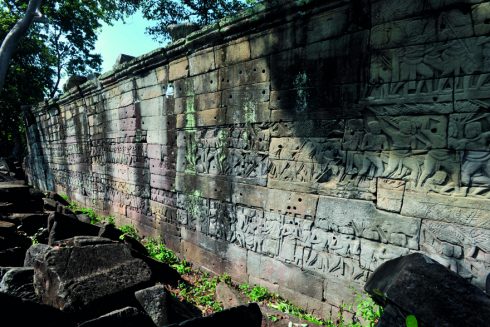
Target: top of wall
<point x="261" y="17"/>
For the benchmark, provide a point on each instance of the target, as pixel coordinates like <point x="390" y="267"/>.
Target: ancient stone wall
<point x="297" y="146"/>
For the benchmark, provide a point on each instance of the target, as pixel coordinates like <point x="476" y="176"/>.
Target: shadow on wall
<point x="308" y="151"/>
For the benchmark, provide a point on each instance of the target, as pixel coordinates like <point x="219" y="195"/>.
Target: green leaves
<point x="411" y="321"/>
<point x="202" y="12"/>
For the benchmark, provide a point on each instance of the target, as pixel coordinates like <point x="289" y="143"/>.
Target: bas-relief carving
<point x="423" y="79"/>
<point x="233" y="152"/>
<point x="362" y="219"/>
<point x="464" y="250"/>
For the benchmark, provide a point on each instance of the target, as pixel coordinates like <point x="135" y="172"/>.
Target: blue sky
<point x="128" y="38"/>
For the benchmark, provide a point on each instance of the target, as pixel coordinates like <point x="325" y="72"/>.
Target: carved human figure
<point x="404" y="142"/>
<point x="272" y="232"/>
<point x="353" y="137"/>
<point x="373" y="140"/>
<point x="289" y="235"/>
<point x="441" y="158"/>
<point x="314" y="257"/>
<point x="303" y="243"/>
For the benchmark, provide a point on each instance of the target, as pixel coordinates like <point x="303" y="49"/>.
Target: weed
<point x="368" y="309"/>
<point x="256" y="293"/>
<point x="34" y="239"/>
<point x="411" y="321"/>
<point x="287" y="307"/>
<point x="160" y="252"/>
<point x="129" y="230"/>
<point x="202" y="292"/>
<point x="65" y="197"/>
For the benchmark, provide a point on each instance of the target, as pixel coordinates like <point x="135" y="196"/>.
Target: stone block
<point x="80" y="266"/>
<point x="152" y="107"/>
<point x="233" y="52"/>
<point x="248" y="113"/>
<point x="293" y="203"/>
<point x="209" y="187"/>
<point x="457" y="210"/>
<point x="235" y="263"/>
<point x="417" y="285"/>
<point x="162" y="182"/>
<point x="374" y="254"/>
<point x="390" y="194"/>
<point x="148" y="79"/>
<point x="361" y="218"/>
<point x="178" y="69"/>
<point x="162" y="74"/>
<point x="311" y="305"/>
<point x="211" y="117"/>
<point x="271" y="41"/>
<point x="328" y="25"/>
<point x="250" y="72"/>
<point x="201" y="62"/>
<point x="290" y="61"/>
<point x="204" y="83"/>
<point x="340" y="292"/>
<point x="255" y="196"/>
<point x="389" y="10"/>
<point x="206" y="259"/>
<point x="150" y="92"/>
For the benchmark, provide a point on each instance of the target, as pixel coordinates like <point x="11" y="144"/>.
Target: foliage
<point x="94" y="217"/>
<point x="160" y="252"/>
<point x="368" y="309"/>
<point x="63" y="45"/>
<point x="411" y="321"/>
<point x="202" y="12"/>
<point x="287" y="307"/>
<point x="129" y="230"/>
<point x="202" y="293"/>
<point x="256" y="293"/>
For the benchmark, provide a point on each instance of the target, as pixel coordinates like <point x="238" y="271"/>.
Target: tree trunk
<point x="13" y="38"/>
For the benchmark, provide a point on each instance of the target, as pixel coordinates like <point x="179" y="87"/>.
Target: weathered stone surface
<point x="29" y="222"/>
<point x="163" y="308"/>
<point x="36" y="253"/>
<point x="18" y="282"/>
<point x="126" y="317"/>
<point x="62" y="227"/>
<point x="415" y="284"/>
<point x="84" y="271"/>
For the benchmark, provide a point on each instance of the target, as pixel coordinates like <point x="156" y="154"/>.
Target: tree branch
<point x="13" y="38"/>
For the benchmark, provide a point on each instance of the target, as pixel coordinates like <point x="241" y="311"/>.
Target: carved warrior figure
<point x="373" y="140"/>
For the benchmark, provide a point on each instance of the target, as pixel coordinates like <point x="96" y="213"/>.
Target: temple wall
<point x="298" y="146"/>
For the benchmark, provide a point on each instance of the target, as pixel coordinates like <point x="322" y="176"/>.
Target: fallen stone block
<point x="29" y="223"/>
<point x="63" y="227"/>
<point x="163" y="308"/>
<point x="110" y="231"/>
<point x="417" y="285"/>
<point x="18" y="282"/>
<point x="34" y="253"/>
<point x="81" y="273"/>
<point x="126" y="317"/>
